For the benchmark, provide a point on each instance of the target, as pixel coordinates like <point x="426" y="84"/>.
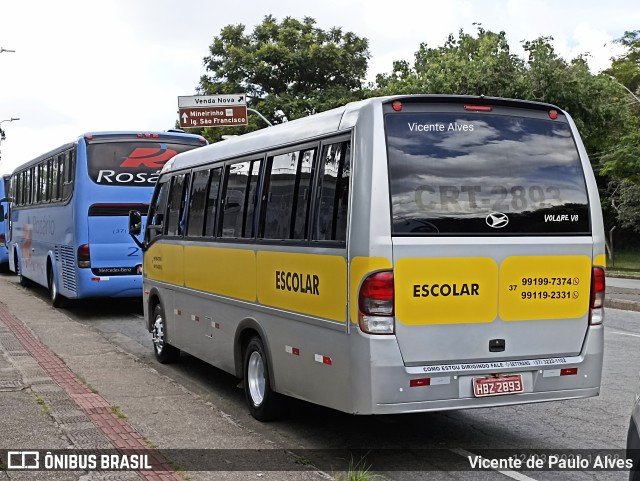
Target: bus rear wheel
<point x="165" y="352"/>
<point x="264" y="404"/>
<point x="57" y="300"/>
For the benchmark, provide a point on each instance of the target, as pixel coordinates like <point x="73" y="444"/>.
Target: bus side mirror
<point x="135" y="222"/>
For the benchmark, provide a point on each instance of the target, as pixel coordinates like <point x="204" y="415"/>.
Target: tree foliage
<point x="625" y="200"/>
<point x="622" y="160"/>
<point x="287" y="69"/>
<point x="626" y="67"/>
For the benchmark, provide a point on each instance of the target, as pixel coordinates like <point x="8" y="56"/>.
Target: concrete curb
<point x="622" y="304"/>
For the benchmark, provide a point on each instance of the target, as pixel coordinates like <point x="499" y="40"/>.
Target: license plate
<point x="497" y="386"/>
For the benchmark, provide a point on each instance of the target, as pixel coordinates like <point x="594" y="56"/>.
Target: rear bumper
<point x="392" y="393"/>
<point x="90" y="285"/>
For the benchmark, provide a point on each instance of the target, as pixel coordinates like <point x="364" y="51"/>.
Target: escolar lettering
<point x="298" y="282"/>
<point x="444" y="290"/>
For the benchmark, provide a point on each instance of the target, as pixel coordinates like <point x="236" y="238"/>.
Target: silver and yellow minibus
<point x="398" y="254"/>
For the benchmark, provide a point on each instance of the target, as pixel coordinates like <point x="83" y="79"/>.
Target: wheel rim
<point x="53" y="289"/>
<point x="158" y="334"/>
<point x="255" y="378"/>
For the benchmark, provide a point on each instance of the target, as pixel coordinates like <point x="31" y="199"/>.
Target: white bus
<point x="398" y="254"/>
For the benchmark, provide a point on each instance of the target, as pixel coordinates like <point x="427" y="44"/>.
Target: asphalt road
<point x="595" y="423"/>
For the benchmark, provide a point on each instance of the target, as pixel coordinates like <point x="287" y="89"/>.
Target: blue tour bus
<point x="4" y="256"/>
<point x="69" y="212"/>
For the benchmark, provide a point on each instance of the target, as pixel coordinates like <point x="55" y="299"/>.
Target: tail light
<point x="596" y="312"/>
<point x="3" y="240"/>
<point x="84" y="256"/>
<point x="375" y="303"/>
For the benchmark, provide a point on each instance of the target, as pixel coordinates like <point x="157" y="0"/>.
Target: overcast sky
<point x="87" y="65"/>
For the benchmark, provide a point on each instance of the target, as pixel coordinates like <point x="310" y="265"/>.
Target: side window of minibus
<point x="333" y="193"/>
<point x="155" y="219"/>
<point x="252" y="200"/>
<point x="175" y="209"/>
<point x="197" y="203"/>
<point x="237" y="176"/>
<point x="211" y="210"/>
<point x="280" y="196"/>
<point x="288" y="195"/>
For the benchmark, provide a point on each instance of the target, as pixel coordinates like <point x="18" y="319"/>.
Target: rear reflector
<point x="419" y="382"/>
<point x="570" y="371"/>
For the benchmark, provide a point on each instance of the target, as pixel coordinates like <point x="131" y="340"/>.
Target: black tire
<point x="57" y="299"/>
<point x="24" y="282"/>
<point x="165" y="352"/>
<point x="264" y="404"/>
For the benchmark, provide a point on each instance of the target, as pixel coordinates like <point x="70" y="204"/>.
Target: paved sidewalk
<point x="63" y="386"/>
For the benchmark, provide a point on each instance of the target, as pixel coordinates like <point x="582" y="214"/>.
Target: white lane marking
<point x="512" y="474"/>
<point x="624" y="333"/>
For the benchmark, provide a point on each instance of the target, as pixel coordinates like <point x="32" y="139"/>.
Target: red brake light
<point x="375" y="302"/>
<point x="396" y="105"/>
<point x="598" y="286"/>
<point x="478" y="108"/>
<point x="378" y="286"/>
<point x="553" y="114"/>
<point x="84" y="256"/>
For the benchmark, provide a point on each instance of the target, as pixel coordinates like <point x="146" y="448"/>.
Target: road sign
<point x="212" y="110"/>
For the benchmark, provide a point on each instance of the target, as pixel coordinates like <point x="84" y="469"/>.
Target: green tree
<point x="287" y="69"/>
<point x="622" y="160"/>
<point x="466" y="65"/>
<point x="626" y="67"/>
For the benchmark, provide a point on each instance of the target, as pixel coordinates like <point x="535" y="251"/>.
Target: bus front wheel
<point x="165" y="352"/>
<point x="24" y="282"/>
<point x="264" y="404"/>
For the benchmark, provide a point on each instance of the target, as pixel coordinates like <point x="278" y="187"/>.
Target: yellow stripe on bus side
<point x="600" y="260"/>
<point x="456" y="290"/>
<point x="163" y="262"/>
<point x="227" y="272"/>
<point x="307" y="283"/>
<point x="360" y="268"/>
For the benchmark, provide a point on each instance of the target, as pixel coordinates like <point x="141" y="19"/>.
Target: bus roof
<point x="324" y="123"/>
<point x="104" y="134"/>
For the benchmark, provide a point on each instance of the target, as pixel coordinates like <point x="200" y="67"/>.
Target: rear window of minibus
<point x="473" y="173"/>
